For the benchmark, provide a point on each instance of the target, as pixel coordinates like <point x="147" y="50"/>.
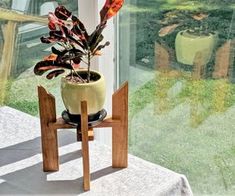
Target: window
<point x="179" y="59"/>
<point x="21" y="50"/>
<point x="17" y="81"/>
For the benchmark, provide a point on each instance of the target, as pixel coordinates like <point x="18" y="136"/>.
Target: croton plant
<point x="75" y="44"/>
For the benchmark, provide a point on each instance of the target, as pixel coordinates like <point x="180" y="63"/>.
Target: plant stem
<point x="74" y="71"/>
<point x="70" y="64"/>
<point x="80" y="78"/>
<point x="89" y="64"/>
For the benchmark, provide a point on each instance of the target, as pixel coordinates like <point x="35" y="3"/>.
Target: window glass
<point x="178" y="57"/>
<point x="21" y="49"/>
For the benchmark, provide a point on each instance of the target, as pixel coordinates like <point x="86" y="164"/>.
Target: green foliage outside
<point x="191" y="130"/>
<point x="219" y="20"/>
<point x="30" y="107"/>
<point x="190" y="133"/>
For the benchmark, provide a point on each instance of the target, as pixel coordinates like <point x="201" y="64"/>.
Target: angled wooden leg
<point x="120" y="131"/>
<point x="85" y="146"/>
<point x="48" y="134"/>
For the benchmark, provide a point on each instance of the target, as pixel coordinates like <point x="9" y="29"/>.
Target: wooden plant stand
<point x="49" y="126"/>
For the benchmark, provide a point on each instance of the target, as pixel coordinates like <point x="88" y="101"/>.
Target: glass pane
<point x="22" y="23"/>
<point x="178" y="56"/>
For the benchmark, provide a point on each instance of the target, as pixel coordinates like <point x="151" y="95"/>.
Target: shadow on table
<point x="33" y="180"/>
<point x="30" y="148"/>
<point x="28" y="177"/>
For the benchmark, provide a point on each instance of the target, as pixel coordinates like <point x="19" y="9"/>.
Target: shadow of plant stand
<point x="49" y="126"/>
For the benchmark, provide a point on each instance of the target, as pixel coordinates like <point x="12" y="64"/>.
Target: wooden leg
<point x="85" y="146"/>
<point x="199" y="65"/>
<point x="162" y="57"/>
<point x="48" y="134"/>
<point x="224" y="60"/>
<point x="79" y="134"/>
<point x="50" y="150"/>
<point x="90" y="134"/>
<point x="120" y="132"/>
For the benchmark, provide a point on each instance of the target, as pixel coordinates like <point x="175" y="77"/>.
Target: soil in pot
<point x="82" y="77"/>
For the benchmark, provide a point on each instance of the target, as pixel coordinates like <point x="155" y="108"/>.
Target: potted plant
<point x="196" y="41"/>
<point x="73" y="45"/>
<point x="195" y="37"/>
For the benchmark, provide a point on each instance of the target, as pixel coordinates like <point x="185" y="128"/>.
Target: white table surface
<point x="21" y="166"/>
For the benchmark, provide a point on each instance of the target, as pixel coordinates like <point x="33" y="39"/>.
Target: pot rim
<point x="63" y="79"/>
<point x="210" y="34"/>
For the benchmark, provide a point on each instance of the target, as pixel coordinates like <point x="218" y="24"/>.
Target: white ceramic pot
<point x="93" y="92"/>
<point x="188" y="45"/>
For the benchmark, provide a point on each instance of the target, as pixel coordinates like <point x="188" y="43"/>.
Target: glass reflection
<point x="179" y="59"/>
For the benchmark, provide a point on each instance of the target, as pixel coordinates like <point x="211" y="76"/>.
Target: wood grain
<point x="48" y="134"/>
<point x="90" y="135"/>
<point x="107" y="122"/>
<point x="118" y="122"/>
<point x="85" y="146"/>
<point x="120" y="133"/>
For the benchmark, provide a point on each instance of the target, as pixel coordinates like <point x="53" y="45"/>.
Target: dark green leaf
<point x="44" y="66"/>
<point x="102" y="46"/>
<point x="54" y="73"/>
<point x="58" y="52"/>
<point x="62" y="13"/>
<point x="96" y="37"/>
<point x="79" y="28"/>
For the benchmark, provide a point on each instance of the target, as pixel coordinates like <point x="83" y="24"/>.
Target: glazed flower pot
<point x="188" y="45"/>
<point x="93" y="92"/>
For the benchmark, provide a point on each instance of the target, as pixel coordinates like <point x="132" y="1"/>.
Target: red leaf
<point x="51" y="25"/>
<point x="76" y="66"/>
<point x="62" y="13"/>
<point x="110" y="9"/>
<point x="43" y="66"/>
<point x="51" y="57"/>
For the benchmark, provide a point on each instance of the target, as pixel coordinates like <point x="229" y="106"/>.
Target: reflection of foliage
<point x="164" y="81"/>
<point x="205" y="97"/>
<point x="5" y="3"/>
<point x="223" y="162"/>
<point x="145" y="35"/>
<point x="141" y="97"/>
<point x="219" y="19"/>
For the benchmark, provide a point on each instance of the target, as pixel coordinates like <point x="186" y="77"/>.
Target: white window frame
<point x="89" y="14"/>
